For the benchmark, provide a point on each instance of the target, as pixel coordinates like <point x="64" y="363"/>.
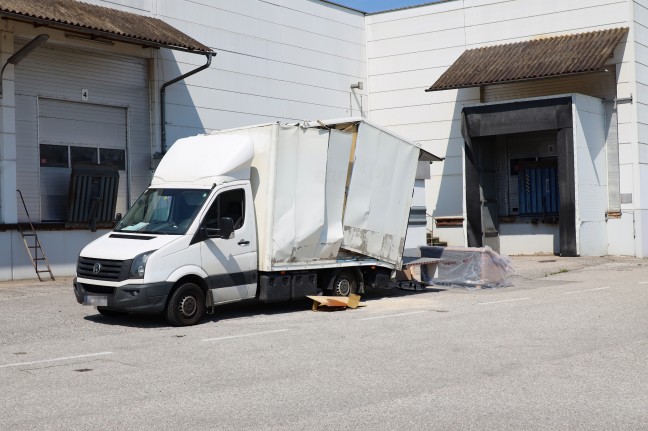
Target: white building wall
<point x="286" y="60"/>
<point x="8" y="165"/>
<point x="638" y="150"/>
<point x="409" y="49"/>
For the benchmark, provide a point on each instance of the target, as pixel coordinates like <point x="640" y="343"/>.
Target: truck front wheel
<point x="345" y="283"/>
<point x="186" y="306"/>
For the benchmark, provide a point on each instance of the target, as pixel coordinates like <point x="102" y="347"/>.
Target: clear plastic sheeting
<point x="469" y="267"/>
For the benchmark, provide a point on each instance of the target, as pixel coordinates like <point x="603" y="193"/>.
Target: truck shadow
<point x="256" y="308"/>
<point x="143" y="321"/>
<point x="245" y="309"/>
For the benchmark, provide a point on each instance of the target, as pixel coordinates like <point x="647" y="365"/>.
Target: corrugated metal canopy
<point x="100" y="22"/>
<point x="534" y="59"/>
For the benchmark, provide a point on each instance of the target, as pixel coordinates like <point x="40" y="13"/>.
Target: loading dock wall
<point x="591" y="175"/>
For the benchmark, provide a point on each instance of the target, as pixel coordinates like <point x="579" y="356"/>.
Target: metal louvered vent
<point x="92" y="195"/>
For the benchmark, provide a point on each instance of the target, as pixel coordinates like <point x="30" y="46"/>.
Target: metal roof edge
<point x="344" y="6"/>
<point x="409" y="7"/>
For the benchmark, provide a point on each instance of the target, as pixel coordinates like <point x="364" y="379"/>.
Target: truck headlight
<point x="138" y="267"/>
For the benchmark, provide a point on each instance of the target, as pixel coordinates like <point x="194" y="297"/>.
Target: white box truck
<point x="272" y="212"/>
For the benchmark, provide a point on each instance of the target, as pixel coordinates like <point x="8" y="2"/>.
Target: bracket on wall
<point x="619" y="100"/>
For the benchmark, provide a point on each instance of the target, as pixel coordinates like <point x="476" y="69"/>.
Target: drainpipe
<point x="163" y="147"/>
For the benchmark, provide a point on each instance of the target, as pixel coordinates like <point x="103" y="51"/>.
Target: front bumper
<point x="140" y="298"/>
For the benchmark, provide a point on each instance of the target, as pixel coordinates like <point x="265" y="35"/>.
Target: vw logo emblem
<point x="96" y="268"/>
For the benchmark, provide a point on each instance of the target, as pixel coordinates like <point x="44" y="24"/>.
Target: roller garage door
<point x="71" y="133"/>
<point x="78" y="105"/>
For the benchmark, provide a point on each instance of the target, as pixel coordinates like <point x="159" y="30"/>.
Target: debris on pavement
<point x="336" y="302"/>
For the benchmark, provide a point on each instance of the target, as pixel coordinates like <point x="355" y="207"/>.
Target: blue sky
<point x="379" y="5"/>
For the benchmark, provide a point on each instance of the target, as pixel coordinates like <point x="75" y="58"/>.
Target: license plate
<point x="96" y="300"/>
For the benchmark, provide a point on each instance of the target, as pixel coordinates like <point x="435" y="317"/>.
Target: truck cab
<point x="182" y="244"/>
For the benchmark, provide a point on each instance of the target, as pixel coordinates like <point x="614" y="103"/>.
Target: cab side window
<point x="228" y="204"/>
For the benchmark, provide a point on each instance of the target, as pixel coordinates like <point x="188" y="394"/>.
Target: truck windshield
<point x="163" y="211"/>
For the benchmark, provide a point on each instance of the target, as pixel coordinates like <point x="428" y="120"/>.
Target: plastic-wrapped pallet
<point x="469" y="267"/>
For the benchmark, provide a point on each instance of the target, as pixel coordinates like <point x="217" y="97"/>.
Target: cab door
<point x="230" y="263"/>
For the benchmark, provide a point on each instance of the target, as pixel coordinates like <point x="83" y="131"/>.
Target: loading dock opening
<point x="547" y="183"/>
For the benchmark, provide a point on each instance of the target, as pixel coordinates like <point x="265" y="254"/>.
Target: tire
<point x="186" y="306"/>
<point x="345" y="283"/>
<point x="110" y="313"/>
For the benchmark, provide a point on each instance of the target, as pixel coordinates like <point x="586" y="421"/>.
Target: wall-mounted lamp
<point x="23" y="52"/>
<point x="358" y="85"/>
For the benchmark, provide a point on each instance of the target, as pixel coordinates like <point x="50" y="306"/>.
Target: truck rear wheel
<point x="186" y="306"/>
<point x="345" y="283"/>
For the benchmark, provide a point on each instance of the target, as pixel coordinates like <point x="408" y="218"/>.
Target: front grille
<point x="111" y="270"/>
<point x="93" y="288"/>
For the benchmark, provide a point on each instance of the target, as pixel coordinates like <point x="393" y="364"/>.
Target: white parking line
<point x="505" y="300"/>
<point x="245" y="335"/>
<point x="18" y="364"/>
<point x="585" y="290"/>
<point x="394" y="315"/>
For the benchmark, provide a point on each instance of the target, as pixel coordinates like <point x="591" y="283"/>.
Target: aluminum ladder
<point x="34" y="257"/>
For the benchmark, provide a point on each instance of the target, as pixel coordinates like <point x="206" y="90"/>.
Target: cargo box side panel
<point x="310" y="196"/>
<point x="300" y="194"/>
<point x="380" y="194"/>
<point x="283" y="196"/>
<point x="337" y="166"/>
<point x="262" y="181"/>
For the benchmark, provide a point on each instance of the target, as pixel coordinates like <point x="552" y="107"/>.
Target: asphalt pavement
<point x="564" y="348"/>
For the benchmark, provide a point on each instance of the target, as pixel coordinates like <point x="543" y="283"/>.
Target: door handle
<point x="243" y="242"/>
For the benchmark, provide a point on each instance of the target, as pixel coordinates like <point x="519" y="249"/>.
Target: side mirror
<point x="226" y="228"/>
<point x="225" y="231"/>
<point x="118" y="217"/>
